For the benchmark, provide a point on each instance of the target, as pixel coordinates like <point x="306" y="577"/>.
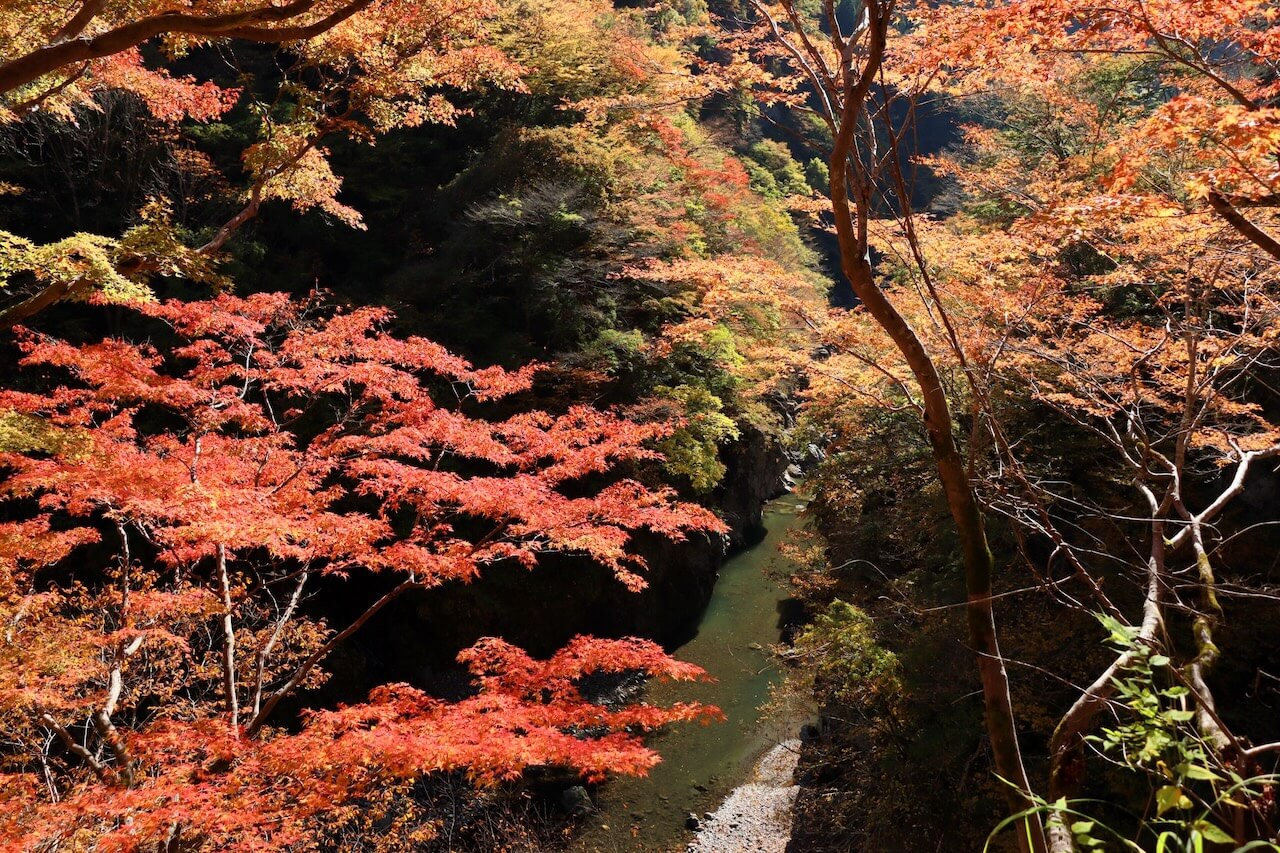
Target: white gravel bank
<point x="755" y="817"/>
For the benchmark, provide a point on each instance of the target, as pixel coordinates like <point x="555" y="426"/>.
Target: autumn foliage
<point x="1071" y="350"/>
<point x="1099" y="262"/>
<point x="167" y="510"/>
<point x="354" y="70"/>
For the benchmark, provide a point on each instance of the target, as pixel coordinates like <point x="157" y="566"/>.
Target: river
<point x="701" y="764"/>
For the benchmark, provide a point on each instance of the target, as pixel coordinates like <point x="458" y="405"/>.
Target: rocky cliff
<point x="416" y="638"/>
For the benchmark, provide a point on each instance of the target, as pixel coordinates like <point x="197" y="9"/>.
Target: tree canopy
<point x="376" y="299"/>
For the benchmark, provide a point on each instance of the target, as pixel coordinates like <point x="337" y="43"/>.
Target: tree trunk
<point x="851" y="231"/>
<point x="978" y="562"/>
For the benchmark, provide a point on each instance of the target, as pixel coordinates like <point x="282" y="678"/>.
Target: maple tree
<point x="621" y="74"/>
<point x="796" y="57"/>
<point x="1164" y="384"/>
<point x="198" y="491"/>
<point x="1114" y="267"/>
<point x="352" y="69"/>
<point x="1165" y="394"/>
<point x="1143" y="151"/>
<point x="1215" y="113"/>
<point x="670" y="220"/>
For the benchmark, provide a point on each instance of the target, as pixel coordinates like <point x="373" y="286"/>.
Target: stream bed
<point x="702" y="764"/>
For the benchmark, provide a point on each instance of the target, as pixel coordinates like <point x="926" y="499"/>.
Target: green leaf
<point x="1121" y="634"/>
<point x="1171" y="797"/>
<point x="1159" y="660"/>
<point x="1213" y="833"/>
<point x="1082" y="827"/>
<point x="1195" y="771"/>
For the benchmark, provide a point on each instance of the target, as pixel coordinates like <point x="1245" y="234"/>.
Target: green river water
<point x="700" y="764"/>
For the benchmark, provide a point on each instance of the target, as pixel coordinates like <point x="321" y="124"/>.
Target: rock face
<point x="576" y="802"/>
<point x="416" y="638"/>
<point x="755" y="468"/>
<point x="756" y="816"/>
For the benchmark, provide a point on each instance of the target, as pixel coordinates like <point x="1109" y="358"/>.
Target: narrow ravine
<point x="702" y="764"/>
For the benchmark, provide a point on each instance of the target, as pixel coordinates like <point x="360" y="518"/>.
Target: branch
<point x="319" y="654"/>
<point x="72" y="28"/>
<point x="1220" y="503"/>
<point x="28" y="308"/>
<point x="828" y="107"/>
<point x="102" y="717"/>
<point x="251" y="25"/>
<point x="1202" y="628"/>
<point x="1065" y="762"/>
<point x="31" y="103"/>
<point x="73" y="746"/>
<point x="228" y="641"/>
<point x="249" y="211"/>
<point x="265" y="652"/>
<point x="1261" y="749"/>
<point x="1236" y="220"/>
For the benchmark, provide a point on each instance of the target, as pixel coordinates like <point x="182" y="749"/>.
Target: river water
<point x="701" y="764"/>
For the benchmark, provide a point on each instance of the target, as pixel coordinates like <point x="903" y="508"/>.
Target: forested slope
<point x="385" y="381"/>
<point x="239" y="484"/>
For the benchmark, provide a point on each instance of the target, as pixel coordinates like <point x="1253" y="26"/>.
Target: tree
<point x="168" y="509"/>
<point x="814" y="62"/>
<point x="41" y="43"/>
<point x="1212" y="66"/>
<point x="1088" y="273"/>
<point x="1147" y="324"/>
<point x="357" y="69"/>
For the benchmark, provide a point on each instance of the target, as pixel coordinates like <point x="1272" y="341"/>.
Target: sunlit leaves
<point x="272" y="440"/>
